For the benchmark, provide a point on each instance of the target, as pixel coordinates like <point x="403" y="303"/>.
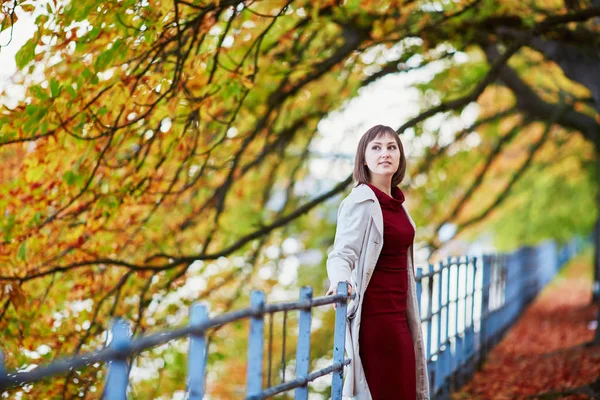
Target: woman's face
<point x="382" y="156"/>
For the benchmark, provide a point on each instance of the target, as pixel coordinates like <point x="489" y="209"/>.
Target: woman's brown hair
<point x="361" y="171"/>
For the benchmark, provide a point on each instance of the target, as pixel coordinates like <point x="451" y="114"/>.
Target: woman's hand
<point x="349" y="293"/>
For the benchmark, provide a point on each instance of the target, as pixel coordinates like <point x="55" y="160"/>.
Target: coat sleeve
<point x="352" y="221"/>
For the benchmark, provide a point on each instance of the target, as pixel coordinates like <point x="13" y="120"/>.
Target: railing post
<point x="441" y="360"/>
<point x="485" y="302"/>
<point x="419" y="282"/>
<point x="419" y="287"/>
<point x="470" y="333"/>
<point x="458" y="355"/>
<point x="456" y="309"/>
<point x="339" y="342"/>
<point x="197" y="353"/>
<point x="431" y="365"/>
<point x="255" y="344"/>
<point x="118" y="370"/>
<point x="429" y="308"/>
<point x="303" y="346"/>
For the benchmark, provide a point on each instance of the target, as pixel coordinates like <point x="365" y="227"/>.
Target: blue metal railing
<point x="122" y="349"/>
<point x="466" y="305"/>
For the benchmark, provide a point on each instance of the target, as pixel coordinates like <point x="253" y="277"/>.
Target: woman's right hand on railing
<point x="332" y="290"/>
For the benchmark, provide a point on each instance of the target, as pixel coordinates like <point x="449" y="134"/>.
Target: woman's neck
<point x="385" y="186"/>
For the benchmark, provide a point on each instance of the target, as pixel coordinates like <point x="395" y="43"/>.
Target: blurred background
<point x="155" y="152"/>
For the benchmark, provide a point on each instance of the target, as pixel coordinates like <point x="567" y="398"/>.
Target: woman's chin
<point x="386" y="173"/>
<point x="388" y="170"/>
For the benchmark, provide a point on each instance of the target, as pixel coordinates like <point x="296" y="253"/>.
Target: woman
<point x="373" y="252"/>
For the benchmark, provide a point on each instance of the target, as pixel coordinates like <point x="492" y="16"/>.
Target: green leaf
<point x="103" y="60"/>
<point x="74" y="179"/>
<point x="70" y="178"/>
<point x="353" y="6"/>
<point x="26" y="53"/>
<point x="79" y="11"/>
<point x="93" y="34"/>
<point x="148" y="37"/>
<point x="39" y="92"/>
<point x="217" y="356"/>
<point x="106" y="57"/>
<point x="71" y="91"/>
<point x="9" y="224"/>
<point x="35" y="112"/>
<point x="111" y="202"/>
<point x="54" y="87"/>
<point x="36" y="220"/>
<point x="86" y="73"/>
<point x="22" y="252"/>
<point x="44" y="126"/>
<point x="80" y="46"/>
<point x="89" y="75"/>
<point x="31" y="109"/>
<point x="5" y="24"/>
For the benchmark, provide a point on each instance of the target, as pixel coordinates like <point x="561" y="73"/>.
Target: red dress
<point x="386" y="345"/>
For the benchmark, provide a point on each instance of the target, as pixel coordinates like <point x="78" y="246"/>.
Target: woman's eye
<point x="375" y="147"/>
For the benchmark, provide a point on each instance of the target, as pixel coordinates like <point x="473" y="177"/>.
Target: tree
<point x="162" y="147"/>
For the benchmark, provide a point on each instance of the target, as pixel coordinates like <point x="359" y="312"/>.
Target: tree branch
<point x="529" y="102"/>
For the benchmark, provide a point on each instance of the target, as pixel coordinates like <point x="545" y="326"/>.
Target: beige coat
<point x="358" y="242"/>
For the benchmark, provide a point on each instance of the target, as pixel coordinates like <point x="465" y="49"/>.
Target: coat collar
<point x="361" y="193"/>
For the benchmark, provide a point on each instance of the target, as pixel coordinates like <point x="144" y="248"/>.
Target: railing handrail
<point x="11" y="379"/>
